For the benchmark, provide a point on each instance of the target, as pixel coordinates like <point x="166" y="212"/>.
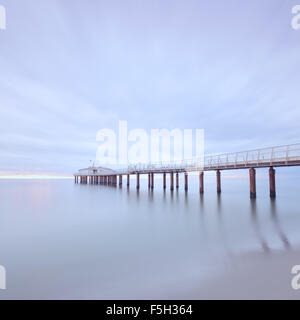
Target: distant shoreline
<point x="35" y="177"/>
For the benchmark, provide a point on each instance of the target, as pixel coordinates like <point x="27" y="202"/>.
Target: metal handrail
<point x="257" y="157"/>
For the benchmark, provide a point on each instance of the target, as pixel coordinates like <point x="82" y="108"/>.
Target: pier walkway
<point x="279" y="156"/>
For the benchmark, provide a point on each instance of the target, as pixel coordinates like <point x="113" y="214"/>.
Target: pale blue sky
<point x="69" y="68"/>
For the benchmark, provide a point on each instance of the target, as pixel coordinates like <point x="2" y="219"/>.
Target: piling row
<point x="112" y="180"/>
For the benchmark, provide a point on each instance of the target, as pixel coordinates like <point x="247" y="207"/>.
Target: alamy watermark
<point x="2" y="278"/>
<point x="296" y="17"/>
<point x="137" y="146"/>
<point x="296" y="279"/>
<point x="2" y="17"/>
<point x="295" y="22"/>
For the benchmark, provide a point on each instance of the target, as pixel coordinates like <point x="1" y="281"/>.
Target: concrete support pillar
<point x="252" y="175"/>
<point x="201" y="181"/>
<point x="149" y="180"/>
<point x="137" y="180"/>
<point x="120" y="180"/>
<point x="128" y="180"/>
<point x="218" y="181"/>
<point x="177" y="180"/>
<point x="186" y="181"/>
<point x="272" y="182"/>
<point x="164" y="180"/>
<point x="152" y="180"/>
<point x="171" y="181"/>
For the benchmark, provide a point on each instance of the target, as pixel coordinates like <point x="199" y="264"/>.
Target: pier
<point x="279" y="156"/>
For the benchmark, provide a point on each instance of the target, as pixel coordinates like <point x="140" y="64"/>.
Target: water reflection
<point x="172" y="195"/>
<point x="150" y="195"/>
<point x="277" y="226"/>
<point x="186" y="203"/>
<point x="202" y="203"/>
<point x="186" y="200"/>
<point x="219" y="203"/>
<point x="256" y="226"/>
<point x="221" y="227"/>
<point x="155" y="236"/>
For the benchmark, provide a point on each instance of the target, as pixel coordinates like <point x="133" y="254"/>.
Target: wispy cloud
<point x="69" y="69"/>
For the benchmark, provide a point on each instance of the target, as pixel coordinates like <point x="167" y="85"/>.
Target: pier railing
<point x="281" y="156"/>
<point x="288" y="155"/>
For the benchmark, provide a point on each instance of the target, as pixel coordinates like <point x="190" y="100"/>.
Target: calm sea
<point x="59" y="240"/>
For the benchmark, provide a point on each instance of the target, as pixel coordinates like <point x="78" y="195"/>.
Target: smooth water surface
<point x="60" y="240"/>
